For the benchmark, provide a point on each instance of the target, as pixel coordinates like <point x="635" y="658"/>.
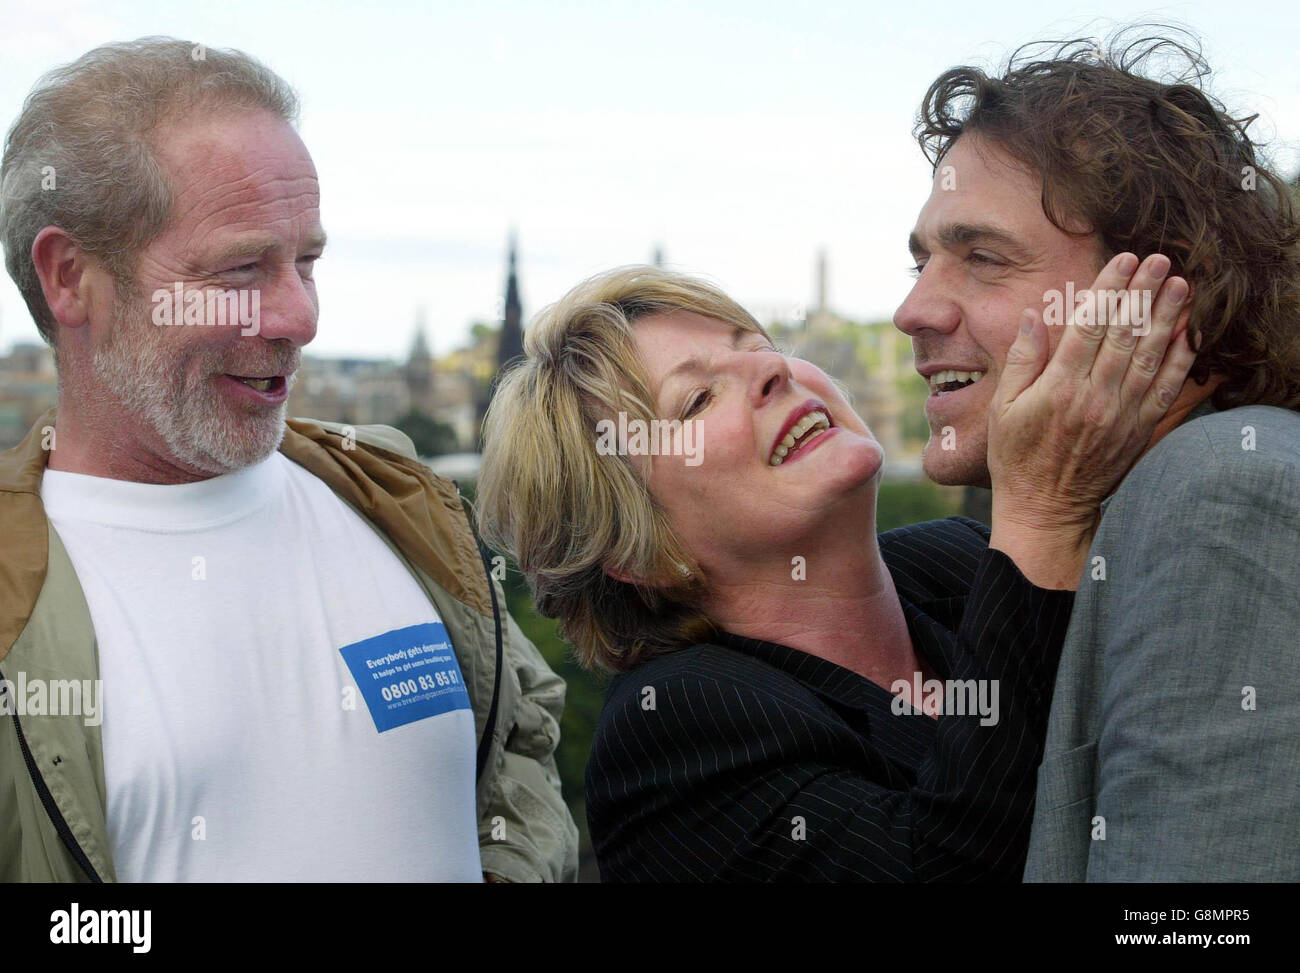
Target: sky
<point x="741" y="137"/>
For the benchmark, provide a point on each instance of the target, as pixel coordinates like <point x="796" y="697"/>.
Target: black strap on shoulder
<point x="489" y="727"/>
<point x="485" y="744"/>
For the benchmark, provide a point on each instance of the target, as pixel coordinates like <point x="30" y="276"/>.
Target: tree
<point x="431" y="437"/>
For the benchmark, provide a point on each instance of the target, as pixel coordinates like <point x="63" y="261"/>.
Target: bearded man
<point x="307" y="670"/>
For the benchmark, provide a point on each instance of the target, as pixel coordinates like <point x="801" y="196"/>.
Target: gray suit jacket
<point x="1175" y="724"/>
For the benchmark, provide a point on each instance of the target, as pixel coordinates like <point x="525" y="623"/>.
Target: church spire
<point x="420" y="344"/>
<point x="419" y="367"/>
<point x="821" y="281"/>
<point x="512" y="331"/>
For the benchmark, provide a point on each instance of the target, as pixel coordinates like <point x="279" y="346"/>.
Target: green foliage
<point x="902" y="503"/>
<point x="431" y="437"/>
<point x="585" y="692"/>
<point x="912" y="390"/>
<point x="583" y="697"/>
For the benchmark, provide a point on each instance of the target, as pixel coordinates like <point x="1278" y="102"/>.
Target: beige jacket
<point x="52" y="794"/>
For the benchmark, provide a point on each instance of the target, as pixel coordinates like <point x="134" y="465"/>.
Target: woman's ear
<point x="621" y="576"/>
<point x="682" y="571"/>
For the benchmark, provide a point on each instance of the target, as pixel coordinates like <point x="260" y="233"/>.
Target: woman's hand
<point x="1062" y="437"/>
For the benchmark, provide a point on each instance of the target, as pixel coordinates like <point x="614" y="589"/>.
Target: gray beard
<point x="154" y="380"/>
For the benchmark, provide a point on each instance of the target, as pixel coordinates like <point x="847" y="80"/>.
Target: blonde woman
<point x="795" y="697"/>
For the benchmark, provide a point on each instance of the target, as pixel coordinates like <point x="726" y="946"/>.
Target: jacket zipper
<point x="52" y="809"/>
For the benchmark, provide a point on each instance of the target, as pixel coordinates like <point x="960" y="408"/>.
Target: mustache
<point x="928" y="348"/>
<point x="275" y="361"/>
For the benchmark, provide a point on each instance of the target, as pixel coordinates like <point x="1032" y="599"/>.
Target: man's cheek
<point x="990" y="384"/>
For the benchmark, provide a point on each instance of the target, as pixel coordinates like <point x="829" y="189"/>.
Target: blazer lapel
<point x="868" y="708"/>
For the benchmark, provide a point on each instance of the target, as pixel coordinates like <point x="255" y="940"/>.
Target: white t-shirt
<point x="280" y="699"/>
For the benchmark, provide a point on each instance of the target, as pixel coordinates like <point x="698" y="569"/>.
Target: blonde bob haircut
<point x="576" y="521"/>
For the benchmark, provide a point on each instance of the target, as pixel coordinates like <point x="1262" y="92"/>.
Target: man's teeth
<point x="939" y="379"/>
<point x="261" y="384"/>
<point x="812" y="421"/>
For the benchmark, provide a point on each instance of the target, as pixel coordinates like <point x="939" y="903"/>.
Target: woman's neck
<point x="838" y="603"/>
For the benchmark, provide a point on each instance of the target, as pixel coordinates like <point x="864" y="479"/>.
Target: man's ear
<point x="61" y="265"/>
<point x="1184" y="319"/>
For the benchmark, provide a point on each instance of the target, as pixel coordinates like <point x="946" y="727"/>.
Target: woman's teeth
<point x="950" y="377"/>
<point x="812" y="422"/>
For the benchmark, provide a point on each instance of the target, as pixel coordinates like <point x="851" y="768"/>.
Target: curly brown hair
<point x="1150" y="164"/>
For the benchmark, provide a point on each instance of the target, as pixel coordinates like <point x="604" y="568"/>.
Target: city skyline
<point x="739" y="137"/>
<point x="870" y="359"/>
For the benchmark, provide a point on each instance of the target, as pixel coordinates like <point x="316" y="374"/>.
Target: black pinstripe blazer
<point x="758" y="762"/>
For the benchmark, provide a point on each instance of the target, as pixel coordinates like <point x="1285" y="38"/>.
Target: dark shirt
<point x="758" y="762"/>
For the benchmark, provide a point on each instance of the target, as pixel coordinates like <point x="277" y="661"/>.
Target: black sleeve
<point x="728" y="778"/>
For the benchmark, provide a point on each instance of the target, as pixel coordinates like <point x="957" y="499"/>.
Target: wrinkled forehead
<point x="238" y="169"/>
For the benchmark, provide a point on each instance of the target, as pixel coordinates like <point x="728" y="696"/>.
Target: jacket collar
<point x="1203" y="408"/>
<point x="847" y="690"/>
<point x="24" y="535"/>
<point x="420" y="512"/>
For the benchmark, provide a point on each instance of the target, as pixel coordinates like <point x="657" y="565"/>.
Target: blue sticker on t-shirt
<point x="407" y="674"/>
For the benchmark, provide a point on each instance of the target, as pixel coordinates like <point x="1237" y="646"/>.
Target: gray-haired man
<point x="307" y="673"/>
